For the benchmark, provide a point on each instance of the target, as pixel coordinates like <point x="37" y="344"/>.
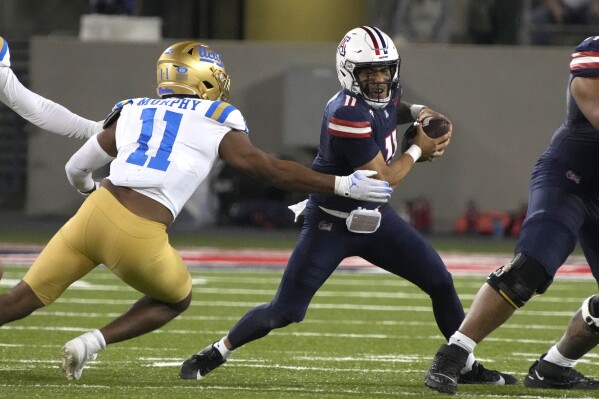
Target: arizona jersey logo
<point x="324" y="226"/>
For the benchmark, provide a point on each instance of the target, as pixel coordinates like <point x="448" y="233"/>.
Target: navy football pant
<point x="560" y="211"/>
<point x="324" y="242"/>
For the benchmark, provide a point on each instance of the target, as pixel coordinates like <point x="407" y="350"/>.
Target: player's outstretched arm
<point x="38" y="110"/>
<point x="237" y="150"/>
<point x="99" y="150"/>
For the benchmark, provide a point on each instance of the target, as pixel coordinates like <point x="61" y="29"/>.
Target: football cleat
<point x="200" y="364"/>
<point x="481" y="375"/>
<point x="543" y="374"/>
<point x="444" y="371"/>
<point x="75" y="354"/>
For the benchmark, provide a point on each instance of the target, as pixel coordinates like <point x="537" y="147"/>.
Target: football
<point x="433" y="126"/>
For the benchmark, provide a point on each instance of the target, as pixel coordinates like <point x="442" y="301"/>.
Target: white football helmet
<point x="367" y="46"/>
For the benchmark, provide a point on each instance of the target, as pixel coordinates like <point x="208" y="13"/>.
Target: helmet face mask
<point x="375" y="80"/>
<point x="192" y="69"/>
<point x="368" y="49"/>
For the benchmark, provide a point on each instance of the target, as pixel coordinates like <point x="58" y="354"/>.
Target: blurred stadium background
<point x="504" y="100"/>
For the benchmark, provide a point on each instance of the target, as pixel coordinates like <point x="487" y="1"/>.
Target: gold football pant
<point x="103" y="231"/>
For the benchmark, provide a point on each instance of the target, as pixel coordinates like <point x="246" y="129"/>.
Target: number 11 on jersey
<point x="160" y="160"/>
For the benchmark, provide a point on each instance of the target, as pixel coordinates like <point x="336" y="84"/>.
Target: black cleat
<point x="481" y="375"/>
<point x="444" y="371"/>
<point x="543" y="374"/>
<point x="200" y="364"/>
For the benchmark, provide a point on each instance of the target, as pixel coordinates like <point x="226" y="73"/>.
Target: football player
<point x="563" y="207"/>
<point x="38" y="110"/>
<point x="160" y="150"/>
<point x="359" y="130"/>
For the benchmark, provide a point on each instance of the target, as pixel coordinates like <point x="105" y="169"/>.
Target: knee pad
<point x="590" y="312"/>
<point x="519" y="280"/>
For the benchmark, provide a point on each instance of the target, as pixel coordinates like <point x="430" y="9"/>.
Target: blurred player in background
<point x="563" y="207"/>
<point x="358" y="131"/>
<point x="160" y="150"/>
<point x="38" y="110"/>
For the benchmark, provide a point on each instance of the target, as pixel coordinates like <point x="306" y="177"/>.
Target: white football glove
<point x="359" y="186"/>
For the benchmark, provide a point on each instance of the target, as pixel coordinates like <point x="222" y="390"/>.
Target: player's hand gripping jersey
<point x="166" y="147"/>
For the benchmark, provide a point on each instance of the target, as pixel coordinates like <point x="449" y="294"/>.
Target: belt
<point x="339" y="214"/>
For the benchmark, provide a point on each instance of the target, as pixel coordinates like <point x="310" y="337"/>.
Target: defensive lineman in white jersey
<point x="160" y="150"/>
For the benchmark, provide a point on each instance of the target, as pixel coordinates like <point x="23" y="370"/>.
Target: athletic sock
<point x="553" y="356"/>
<point x="466" y="343"/>
<point x="220" y="345"/>
<point x="94" y="341"/>
<point x="101" y="341"/>
<point x="462" y="341"/>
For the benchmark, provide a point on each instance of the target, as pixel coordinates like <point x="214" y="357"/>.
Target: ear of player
<point x="360" y="186"/>
<point x="433" y="126"/>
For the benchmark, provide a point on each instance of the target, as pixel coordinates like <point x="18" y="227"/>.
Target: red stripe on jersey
<point x="585" y="60"/>
<point x="585" y="54"/>
<point x="343" y="122"/>
<point x="339" y="133"/>
<point x="342" y="128"/>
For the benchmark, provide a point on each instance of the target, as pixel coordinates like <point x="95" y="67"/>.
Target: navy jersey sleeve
<point x="585" y="59"/>
<point x="351" y="131"/>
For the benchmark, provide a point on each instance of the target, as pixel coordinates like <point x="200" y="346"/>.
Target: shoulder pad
<point x="115" y="113"/>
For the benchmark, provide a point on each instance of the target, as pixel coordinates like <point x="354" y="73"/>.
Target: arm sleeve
<point x="81" y="165"/>
<point x="42" y="112"/>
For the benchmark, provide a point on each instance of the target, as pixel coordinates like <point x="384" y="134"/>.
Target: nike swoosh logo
<point x="538" y="376"/>
<point x="449" y="378"/>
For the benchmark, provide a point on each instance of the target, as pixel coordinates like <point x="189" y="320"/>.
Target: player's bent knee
<point x="590" y="312"/>
<point x="180" y="306"/>
<point x="277" y="320"/>
<point x="520" y="280"/>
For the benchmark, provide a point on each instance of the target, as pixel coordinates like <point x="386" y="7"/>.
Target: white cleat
<point x="75" y="354"/>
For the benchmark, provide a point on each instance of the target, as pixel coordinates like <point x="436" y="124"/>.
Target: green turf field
<point x="365" y="336"/>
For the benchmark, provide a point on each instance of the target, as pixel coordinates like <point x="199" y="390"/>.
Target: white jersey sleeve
<point x="167" y="147"/>
<point x="42" y="112"/>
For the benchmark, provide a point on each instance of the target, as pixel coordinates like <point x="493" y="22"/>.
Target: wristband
<point x="415" y="110"/>
<point x="414" y="151"/>
<point x="341" y="187"/>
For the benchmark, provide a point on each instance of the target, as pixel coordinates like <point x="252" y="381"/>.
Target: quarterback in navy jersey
<point x="563" y="207"/>
<point x="358" y="130"/>
<point x="352" y="134"/>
